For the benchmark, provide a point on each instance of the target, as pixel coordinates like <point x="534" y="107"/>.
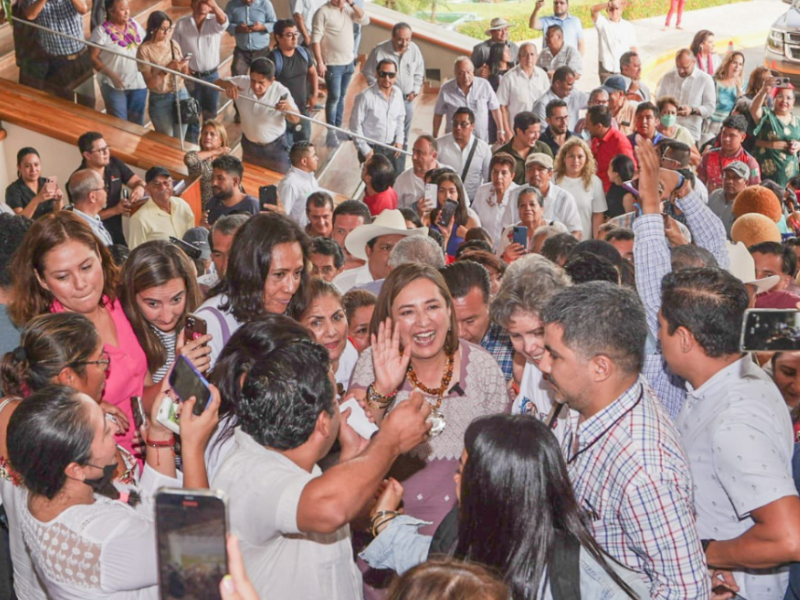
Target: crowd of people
<point x="538" y="320"/>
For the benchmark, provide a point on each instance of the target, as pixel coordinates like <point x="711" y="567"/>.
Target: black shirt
<point x="19" y="195"/>
<point x="614" y="201"/>
<point x="294" y="75"/>
<point x="217" y="209"/>
<point x="547" y="138"/>
<point x="115" y="175"/>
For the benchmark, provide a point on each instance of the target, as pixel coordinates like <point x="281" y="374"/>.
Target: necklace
<point x="436" y="417"/>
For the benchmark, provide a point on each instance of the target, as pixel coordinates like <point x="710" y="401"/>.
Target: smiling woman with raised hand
<point x="62" y="267"/>
<point x="415" y="345"/>
<point x="267" y="268"/>
<point x="777" y="133"/>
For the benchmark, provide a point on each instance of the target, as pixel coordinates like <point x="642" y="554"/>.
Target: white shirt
<point x="294" y="189"/>
<point x="614" y="40"/>
<point x="507" y="237"/>
<point x="696" y="90"/>
<point x="378" y="117"/>
<point x="347" y="280"/>
<point x="589" y="201"/>
<point x="495" y="216"/>
<point x="220" y="324"/>
<point x="128" y="70"/>
<point x="347" y="362"/>
<point x="306" y="9"/>
<point x="450" y="153"/>
<point x="559" y="205"/>
<point x="576" y="102"/>
<point x="536" y="398"/>
<point x="518" y="92"/>
<point x="261" y="124"/>
<point x="264" y="489"/>
<point x="480" y="99"/>
<point x="411" y="188"/>
<point x="410" y="66"/>
<point x="737" y="434"/>
<point x="204" y="44"/>
<point x="568" y="56"/>
<point x="150" y="222"/>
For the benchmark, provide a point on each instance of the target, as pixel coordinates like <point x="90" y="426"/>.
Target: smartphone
<point x="168" y="416"/>
<point x="780" y="81"/>
<point x="631" y="186"/>
<point x="191" y="250"/>
<point x="767" y="330"/>
<point x="194" y="328"/>
<point x="137" y="408"/>
<point x="268" y="196"/>
<point x="431" y="192"/>
<point x="283" y="97"/>
<point x="186" y="381"/>
<point x="447" y="212"/>
<point x="51" y="185"/>
<point x="520" y="236"/>
<point x="191" y="530"/>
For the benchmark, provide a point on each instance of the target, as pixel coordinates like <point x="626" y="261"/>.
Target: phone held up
<point x="520" y="236"/>
<point x="770" y="330"/>
<point x="194" y="328"/>
<point x="191" y="530"/>
<point x="268" y="196"/>
<point x="186" y="381"/>
<point x="447" y="213"/>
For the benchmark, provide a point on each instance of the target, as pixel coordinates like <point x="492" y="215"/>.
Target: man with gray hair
<point x="476" y="94"/>
<point x="89" y="196"/>
<point x="624" y="455"/>
<point x="521" y="86"/>
<point x="694" y="89"/>
<point x="221" y="240"/>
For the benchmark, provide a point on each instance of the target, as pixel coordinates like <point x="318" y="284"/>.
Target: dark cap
<point x="615" y="83"/>
<point x="154" y="172"/>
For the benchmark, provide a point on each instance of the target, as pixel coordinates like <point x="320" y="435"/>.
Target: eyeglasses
<point x="388" y="74"/>
<point x="102" y="150"/>
<point x="461" y="124"/>
<point x="104" y="362"/>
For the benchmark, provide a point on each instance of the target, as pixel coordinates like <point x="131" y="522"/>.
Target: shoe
<point x="332" y="141"/>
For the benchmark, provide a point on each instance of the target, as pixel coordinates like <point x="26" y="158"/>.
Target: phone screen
<point x="268" y="195"/>
<point x="447" y="212"/>
<point x="770" y="329"/>
<point x="191" y="529"/>
<point x="186" y="381"/>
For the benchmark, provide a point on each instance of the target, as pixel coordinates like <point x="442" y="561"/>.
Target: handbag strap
<point x="465" y="170"/>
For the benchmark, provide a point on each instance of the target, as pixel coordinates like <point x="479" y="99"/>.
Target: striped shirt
<point x="633" y="484"/>
<point x="168" y="340"/>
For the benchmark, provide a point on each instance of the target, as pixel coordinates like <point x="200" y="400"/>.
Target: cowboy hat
<point x="743" y="267"/>
<point x="389" y="222"/>
<point x="497" y="23"/>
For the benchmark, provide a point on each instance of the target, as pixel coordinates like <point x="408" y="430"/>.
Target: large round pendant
<point x="437" y="422"/>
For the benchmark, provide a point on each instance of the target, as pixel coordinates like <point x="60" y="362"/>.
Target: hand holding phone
<point x="447" y="213"/>
<point x="186" y="381"/>
<point x="268" y="197"/>
<point x="429" y="196"/>
<point x="520" y="236"/>
<point x="194" y="328"/>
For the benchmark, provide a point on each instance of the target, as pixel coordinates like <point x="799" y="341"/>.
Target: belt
<point x="200" y="74"/>
<point x="70" y="56"/>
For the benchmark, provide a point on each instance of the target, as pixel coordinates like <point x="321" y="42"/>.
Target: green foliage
<point x="519" y="30"/>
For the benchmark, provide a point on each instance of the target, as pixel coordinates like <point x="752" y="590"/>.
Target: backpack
<point x="278" y="59"/>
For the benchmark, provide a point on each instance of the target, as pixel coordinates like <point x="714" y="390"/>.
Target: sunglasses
<point x="388" y="74"/>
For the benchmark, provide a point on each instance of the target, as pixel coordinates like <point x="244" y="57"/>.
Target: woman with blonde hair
<point x="728" y="83"/>
<point x="213" y="144"/>
<point x="574" y="170"/>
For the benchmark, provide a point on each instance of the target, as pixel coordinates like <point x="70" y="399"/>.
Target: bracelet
<point x="381" y="518"/>
<point x="378" y="401"/>
<point x="170" y="443"/>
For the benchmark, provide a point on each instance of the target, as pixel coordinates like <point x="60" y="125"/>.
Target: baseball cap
<point x="539" y="158"/>
<point x="740" y="169"/>
<point x="154" y="172"/>
<point x="615" y="83"/>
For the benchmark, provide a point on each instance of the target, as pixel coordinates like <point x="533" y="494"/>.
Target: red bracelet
<point x="170" y="443"/>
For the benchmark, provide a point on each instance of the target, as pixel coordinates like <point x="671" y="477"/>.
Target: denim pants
<point x="125" y="104"/>
<point x="209" y="102"/>
<point x="273" y="156"/>
<point x="337" y="80"/>
<point x="162" y="113"/>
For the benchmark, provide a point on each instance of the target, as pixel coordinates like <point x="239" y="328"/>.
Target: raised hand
<point x="389" y="363"/>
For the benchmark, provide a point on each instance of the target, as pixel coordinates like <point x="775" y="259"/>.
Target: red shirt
<point x="710" y="169"/>
<point x="614" y="142"/>
<point x="385" y="200"/>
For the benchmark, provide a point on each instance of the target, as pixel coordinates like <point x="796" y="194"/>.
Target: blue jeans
<point x="337" y="80"/>
<point x="209" y="101"/>
<point x="162" y="113"/>
<point x="125" y="104"/>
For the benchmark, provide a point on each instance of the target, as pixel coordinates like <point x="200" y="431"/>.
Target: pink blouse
<point x="127" y="370"/>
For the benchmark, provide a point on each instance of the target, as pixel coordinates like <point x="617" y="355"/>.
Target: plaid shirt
<point x="59" y="15"/>
<point x="633" y="483"/>
<point x="652" y="260"/>
<point x="497" y="343"/>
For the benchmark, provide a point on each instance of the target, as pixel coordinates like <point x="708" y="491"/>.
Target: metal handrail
<point x="207" y="84"/>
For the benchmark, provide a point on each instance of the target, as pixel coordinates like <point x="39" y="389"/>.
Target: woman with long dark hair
<point x="267" y="268"/>
<point x="703" y="51"/>
<point x="450" y="187"/>
<point x="517" y="515"/>
<point x="30" y="195"/>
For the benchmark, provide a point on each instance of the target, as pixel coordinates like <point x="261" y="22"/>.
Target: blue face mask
<point x="669" y="120"/>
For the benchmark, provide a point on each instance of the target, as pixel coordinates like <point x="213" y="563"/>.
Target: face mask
<point x="669" y="120"/>
<point x="101" y="482"/>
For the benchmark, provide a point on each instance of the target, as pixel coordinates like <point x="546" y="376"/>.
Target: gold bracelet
<point x="381" y="518"/>
<point x="379" y="401"/>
